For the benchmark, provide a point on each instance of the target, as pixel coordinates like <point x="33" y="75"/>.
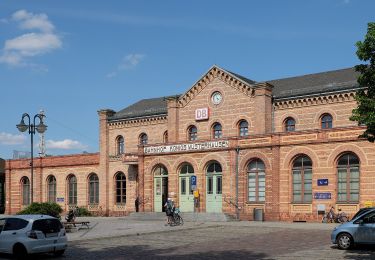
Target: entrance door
<point x="160" y="193"/>
<point x="214" y="190"/>
<point x="186" y="194"/>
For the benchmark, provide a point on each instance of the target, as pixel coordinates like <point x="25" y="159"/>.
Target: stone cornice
<point x="314" y="100"/>
<point x="138" y="122"/>
<point x="216" y="72"/>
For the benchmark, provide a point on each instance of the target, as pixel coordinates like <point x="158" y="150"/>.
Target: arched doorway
<point x="160" y="187"/>
<point x="186" y="195"/>
<point x="214" y="187"/>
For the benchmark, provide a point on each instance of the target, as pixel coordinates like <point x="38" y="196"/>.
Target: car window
<point x="15" y="224"/>
<point x="47" y="225"/>
<point x="361" y="211"/>
<point x="369" y="218"/>
<point x="2" y="224"/>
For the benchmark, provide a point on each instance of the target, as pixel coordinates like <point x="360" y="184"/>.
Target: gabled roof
<point x="329" y="81"/>
<point x="311" y="84"/>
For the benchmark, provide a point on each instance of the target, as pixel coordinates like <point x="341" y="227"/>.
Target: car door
<point x="12" y="232"/>
<point x="366" y="229"/>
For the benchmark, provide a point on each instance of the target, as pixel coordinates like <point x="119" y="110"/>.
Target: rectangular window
<point x="252" y="187"/>
<point x="183" y="186"/>
<point x="209" y="185"/>
<point x="341" y="185"/>
<point x="219" y="186"/>
<point x="297" y="186"/>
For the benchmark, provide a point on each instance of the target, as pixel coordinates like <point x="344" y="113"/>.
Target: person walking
<point x="169" y="208"/>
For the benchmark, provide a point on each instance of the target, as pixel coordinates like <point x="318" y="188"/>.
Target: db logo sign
<point x="201" y="114"/>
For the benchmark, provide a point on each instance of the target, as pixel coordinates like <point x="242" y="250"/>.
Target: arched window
<point x="93" y="189"/>
<point x="120" y="188"/>
<point x="214" y="167"/>
<point x="193" y="133"/>
<point x="143" y="139"/>
<point x="120" y="145"/>
<point x="290" y="124"/>
<point x="160" y="170"/>
<point x="243" y="128"/>
<point x="302" y="180"/>
<point x="256" y="181"/>
<point x="326" y="121"/>
<point x="165" y="137"/>
<point x="187" y="169"/>
<point x="217" y="131"/>
<point x="25" y="182"/>
<point x="51" y="188"/>
<point x="348" y="178"/>
<point x="72" y="190"/>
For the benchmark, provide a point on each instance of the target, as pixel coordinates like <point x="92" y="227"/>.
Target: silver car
<point x="360" y="230"/>
<point x="27" y="234"/>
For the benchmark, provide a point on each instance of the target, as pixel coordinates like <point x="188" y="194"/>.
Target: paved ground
<point x="119" y="238"/>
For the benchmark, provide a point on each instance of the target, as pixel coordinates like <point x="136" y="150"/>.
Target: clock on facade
<point x="216" y="98"/>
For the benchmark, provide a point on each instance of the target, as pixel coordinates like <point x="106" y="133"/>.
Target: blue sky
<point x="73" y="58"/>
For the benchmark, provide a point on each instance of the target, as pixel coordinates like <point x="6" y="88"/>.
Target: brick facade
<point x="267" y="141"/>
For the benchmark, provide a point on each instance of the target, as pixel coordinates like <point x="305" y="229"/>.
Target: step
<point x="187" y="216"/>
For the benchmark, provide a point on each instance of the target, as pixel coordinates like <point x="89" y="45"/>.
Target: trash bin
<point x="258" y="215"/>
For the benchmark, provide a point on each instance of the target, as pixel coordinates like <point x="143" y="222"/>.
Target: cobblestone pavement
<point x="240" y="240"/>
<point x="118" y="238"/>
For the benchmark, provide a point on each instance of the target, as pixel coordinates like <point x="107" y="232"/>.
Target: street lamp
<point x="41" y="128"/>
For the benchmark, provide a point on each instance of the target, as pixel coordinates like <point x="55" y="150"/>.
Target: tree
<point x="364" y="114"/>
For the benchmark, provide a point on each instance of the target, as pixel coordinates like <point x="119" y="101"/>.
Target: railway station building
<point x="229" y="144"/>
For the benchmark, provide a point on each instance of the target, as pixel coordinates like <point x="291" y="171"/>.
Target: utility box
<point x="258" y="214"/>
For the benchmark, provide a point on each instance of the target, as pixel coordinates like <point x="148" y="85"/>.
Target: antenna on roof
<point x="42" y="143"/>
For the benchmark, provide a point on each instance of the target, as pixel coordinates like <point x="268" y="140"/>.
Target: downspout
<point x="237" y="206"/>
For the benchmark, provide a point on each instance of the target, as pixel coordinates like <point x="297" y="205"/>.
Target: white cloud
<point x="66" y="144"/>
<point x="10" y="139"/>
<point x="30" y="21"/>
<point x="19" y="50"/>
<point x="128" y="62"/>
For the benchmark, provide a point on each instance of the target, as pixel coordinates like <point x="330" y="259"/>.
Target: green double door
<point x="160" y="193"/>
<point x="186" y="195"/>
<point x="214" y="189"/>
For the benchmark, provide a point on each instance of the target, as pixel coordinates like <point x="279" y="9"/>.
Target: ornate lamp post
<point x="41" y="128"/>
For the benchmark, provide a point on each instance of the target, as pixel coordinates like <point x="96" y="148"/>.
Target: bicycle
<point x="332" y="217"/>
<point x="176" y="219"/>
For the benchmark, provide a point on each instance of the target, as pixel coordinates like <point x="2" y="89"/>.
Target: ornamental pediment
<point x="242" y="84"/>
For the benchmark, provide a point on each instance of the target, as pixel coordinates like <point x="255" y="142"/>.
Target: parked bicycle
<point x="332" y="217"/>
<point x="176" y="219"/>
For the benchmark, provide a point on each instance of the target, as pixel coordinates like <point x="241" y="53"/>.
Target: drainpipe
<point x="237" y="206"/>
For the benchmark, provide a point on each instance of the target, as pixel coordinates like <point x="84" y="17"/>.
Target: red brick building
<point x="284" y="146"/>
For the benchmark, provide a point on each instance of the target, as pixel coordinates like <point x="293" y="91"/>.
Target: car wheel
<point x="345" y="241"/>
<point x="59" y="252"/>
<point x="19" y="251"/>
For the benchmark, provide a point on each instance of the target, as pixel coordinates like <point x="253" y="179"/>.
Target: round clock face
<point x="216" y="98"/>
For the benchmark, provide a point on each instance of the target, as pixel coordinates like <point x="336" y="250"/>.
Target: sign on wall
<point x="322" y="195"/>
<point x="201" y="114"/>
<point x="186" y="147"/>
<point x="322" y="182"/>
<point x="59" y="199"/>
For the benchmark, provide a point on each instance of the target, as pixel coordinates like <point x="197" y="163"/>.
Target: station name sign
<point x="186" y="147"/>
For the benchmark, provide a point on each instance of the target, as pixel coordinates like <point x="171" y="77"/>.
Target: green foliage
<point x="83" y="212"/>
<point x="45" y="208"/>
<point x="364" y="114"/>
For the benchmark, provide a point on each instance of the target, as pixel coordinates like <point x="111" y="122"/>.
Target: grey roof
<point x="329" y="81"/>
<point x="311" y="84"/>
<point x="143" y="108"/>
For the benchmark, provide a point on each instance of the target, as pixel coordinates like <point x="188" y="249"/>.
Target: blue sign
<point x="193" y="182"/>
<point x="59" y="199"/>
<point x="322" y="195"/>
<point x="322" y="182"/>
